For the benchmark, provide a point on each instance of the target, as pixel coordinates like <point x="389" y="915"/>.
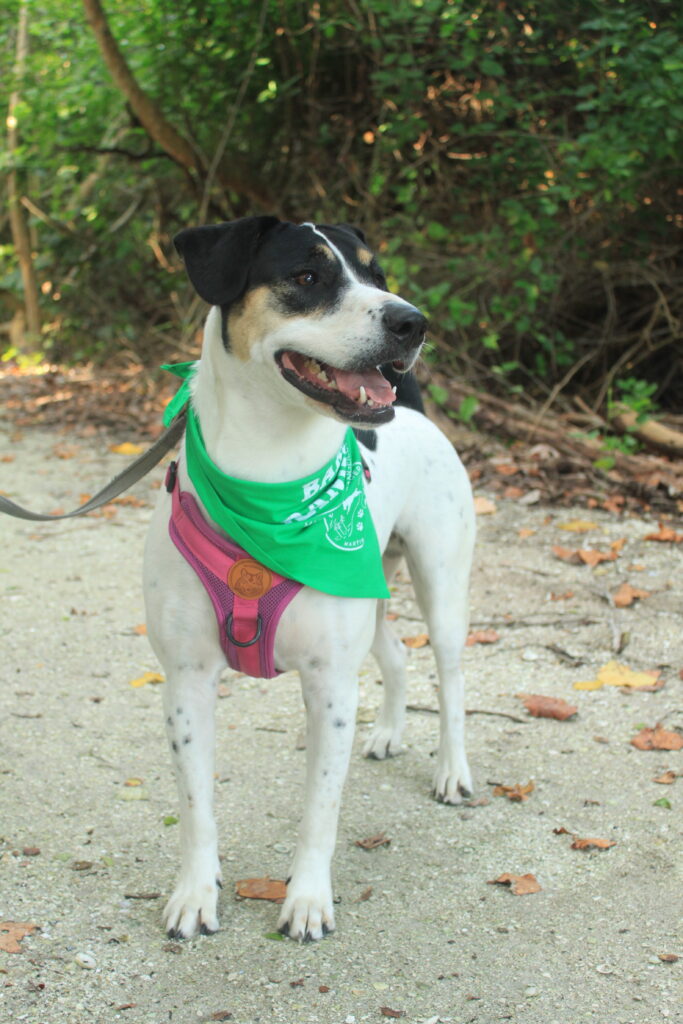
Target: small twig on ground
<point x="468" y="711"/>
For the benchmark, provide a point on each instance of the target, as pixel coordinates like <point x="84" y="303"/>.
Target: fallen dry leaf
<point x="525" y="532"/>
<point x="520" y="885"/>
<point x="547" y="707"/>
<point x="516" y="793"/>
<point x="482" y="636"/>
<point x="592" y="844"/>
<point x="129" y="499"/>
<point x="582" y="556"/>
<point x="421" y="640"/>
<point x="577" y="526"/>
<point x="657" y="739"/>
<point x="141" y="630"/>
<point x="11" y="934"/>
<point x="668" y="958"/>
<point x="566" y="554"/>
<point x="567" y="596"/>
<point x="665" y="535"/>
<point x="593" y="558"/>
<point x="126" y="448"/>
<point x="372" y="842"/>
<point x="484" y="506"/>
<point x="667" y="778"/>
<point x="147" y="677"/>
<point x="616" y="674"/>
<point x="386" y="1011"/>
<point x="261" y="889"/>
<point x="506" y="469"/>
<point x="65" y="451"/>
<point x="625" y="595"/>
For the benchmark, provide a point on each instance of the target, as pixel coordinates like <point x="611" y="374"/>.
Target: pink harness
<point x="248" y="598"/>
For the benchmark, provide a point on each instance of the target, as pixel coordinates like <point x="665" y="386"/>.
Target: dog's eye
<point x="378" y="278"/>
<point x="306" y="278"/>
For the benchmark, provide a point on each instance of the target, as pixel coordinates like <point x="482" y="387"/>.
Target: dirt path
<point x="88" y="859"/>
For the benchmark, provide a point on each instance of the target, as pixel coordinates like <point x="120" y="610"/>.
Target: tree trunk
<point x="146" y="110"/>
<point x="21" y="237"/>
<point x="151" y="116"/>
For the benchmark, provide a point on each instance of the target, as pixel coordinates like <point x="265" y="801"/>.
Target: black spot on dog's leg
<point x="339" y="723"/>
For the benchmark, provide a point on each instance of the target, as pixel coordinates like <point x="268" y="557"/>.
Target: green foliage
<point x="516" y="165"/>
<point x="637" y="396"/>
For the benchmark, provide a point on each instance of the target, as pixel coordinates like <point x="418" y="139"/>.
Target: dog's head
<point x="311" y="303"/>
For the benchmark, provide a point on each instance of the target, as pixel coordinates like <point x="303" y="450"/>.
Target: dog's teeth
<point x="370" y="404"/>
<point x="394" y="389"/>
<point x="323" y="377"/>
<point x="362" y="396"/>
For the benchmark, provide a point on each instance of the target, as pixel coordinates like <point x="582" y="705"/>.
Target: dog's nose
<point x="405" y="322"/>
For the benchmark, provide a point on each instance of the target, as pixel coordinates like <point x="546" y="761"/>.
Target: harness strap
<point x="248" y="599"/>
<point x="120" y="483"/>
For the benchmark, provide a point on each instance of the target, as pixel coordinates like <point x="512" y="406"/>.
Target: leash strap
<point x="125" y="479"/>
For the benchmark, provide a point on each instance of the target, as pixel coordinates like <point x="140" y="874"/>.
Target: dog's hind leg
<point x="439" y="560"/>
<point x="385" y="737"/>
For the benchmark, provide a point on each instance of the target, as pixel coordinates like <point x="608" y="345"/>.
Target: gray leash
<point x="125" y="479"/>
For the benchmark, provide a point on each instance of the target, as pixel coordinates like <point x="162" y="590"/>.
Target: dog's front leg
<point x="331" y="701"/>
<point x="189" y="699"/>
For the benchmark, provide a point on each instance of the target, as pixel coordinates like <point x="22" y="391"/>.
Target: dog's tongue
<point x="377" y="387"/>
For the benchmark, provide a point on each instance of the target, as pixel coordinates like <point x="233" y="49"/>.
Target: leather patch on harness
<point x="249" y="579"/>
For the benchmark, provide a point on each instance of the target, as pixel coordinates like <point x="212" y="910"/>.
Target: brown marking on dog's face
<point x="364" y="256"/>
<point x="325" y="252"/>
<point x="249" y="319"/>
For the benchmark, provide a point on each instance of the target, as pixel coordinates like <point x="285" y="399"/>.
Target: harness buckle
<point x="171" y="476"/>
<point x="243" y="643"/>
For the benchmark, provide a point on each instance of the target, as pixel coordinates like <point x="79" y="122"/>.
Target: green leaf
<point x="438" y="393"/>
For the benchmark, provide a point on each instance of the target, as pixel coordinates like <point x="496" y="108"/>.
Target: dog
<point x="301" y="320"/>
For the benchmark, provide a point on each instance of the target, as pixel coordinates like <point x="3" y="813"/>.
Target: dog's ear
<point x="217" y="257"/>
<point x="356" y="231"/>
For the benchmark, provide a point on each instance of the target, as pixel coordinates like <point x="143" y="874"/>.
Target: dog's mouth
<point x="355" y="395"/>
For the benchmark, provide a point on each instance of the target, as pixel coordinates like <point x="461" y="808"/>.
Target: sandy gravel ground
<point x="420" y="933"/>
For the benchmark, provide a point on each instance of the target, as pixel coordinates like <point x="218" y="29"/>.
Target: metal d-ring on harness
<point x="243" y="643"/>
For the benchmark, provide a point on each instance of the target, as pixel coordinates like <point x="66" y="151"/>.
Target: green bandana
<point x="317" y="530"/>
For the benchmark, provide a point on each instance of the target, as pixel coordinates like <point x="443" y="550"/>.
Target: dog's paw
<point x="306" y="915"/>
<point x="191" y="909"/>
<point x="382" y="742"/>
<point x="452" y="781"/>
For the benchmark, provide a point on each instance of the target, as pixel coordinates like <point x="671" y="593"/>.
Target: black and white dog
<point x="292" y="307"/>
